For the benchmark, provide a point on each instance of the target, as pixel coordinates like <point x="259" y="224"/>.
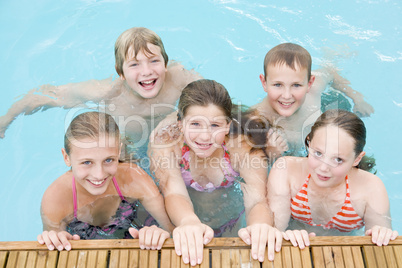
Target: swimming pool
<point x="58" y="42"/>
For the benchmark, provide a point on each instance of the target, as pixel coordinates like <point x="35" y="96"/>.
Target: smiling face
<point x="145" y="73"/>
<point x="286" y="88"/>
<point x="205" y="128"/>
<point x="93" y="165"/>
<point x="331" y="156"/>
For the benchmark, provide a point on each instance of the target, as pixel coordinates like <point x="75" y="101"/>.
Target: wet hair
<point x="290" y="54"/>
<point x="137" y="39"/>
<point x="91" y="125"/>
<point x="253" y="126"/>
<point x="350" y="123"/>
<point x="204" y="92"/>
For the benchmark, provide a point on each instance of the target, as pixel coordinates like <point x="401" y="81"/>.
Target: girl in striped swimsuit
<point x="329" y="190"/>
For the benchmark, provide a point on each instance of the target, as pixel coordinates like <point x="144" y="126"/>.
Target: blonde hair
<point x="290" y="54"/>
<point x="138" y="39"/>
<point x="91" y="125"/>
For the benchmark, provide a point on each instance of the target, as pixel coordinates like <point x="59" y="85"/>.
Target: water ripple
<point x="352" y="31"/>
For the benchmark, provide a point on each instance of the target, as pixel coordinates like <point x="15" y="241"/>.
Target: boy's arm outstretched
<point x="337" y="82"/>
<point x="65" y="96"/>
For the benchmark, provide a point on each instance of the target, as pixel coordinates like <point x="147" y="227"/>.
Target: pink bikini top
<point x="229" y="174"/>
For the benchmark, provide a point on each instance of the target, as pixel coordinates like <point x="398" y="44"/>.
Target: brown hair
<point x="350" y="123"/>
<point x="91" y="125"/>
<point x="290" y="54"/>
<point x="138" y="39"/>
<point x="202" y="93"/>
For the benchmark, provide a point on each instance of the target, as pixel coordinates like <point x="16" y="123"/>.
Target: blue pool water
<point x="58" y="42"/>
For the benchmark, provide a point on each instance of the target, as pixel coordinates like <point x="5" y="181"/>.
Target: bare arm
<point x="143" y="188"/>
<point x="190" y="234"/>
<point x="377" y="216"/>
<point x="49" y="96"/>
<point x="331" y="76"/>
<point x="279" y="194"/>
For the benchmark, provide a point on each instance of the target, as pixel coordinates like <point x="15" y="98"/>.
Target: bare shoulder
<point x="179" y="75"/>
<point x="289" y="168"/>
<point x="57" y="201"/>
<point x="372" y="183"/>
<point x="134" y="181"/>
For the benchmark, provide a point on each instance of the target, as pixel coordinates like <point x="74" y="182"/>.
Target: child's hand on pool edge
<point x="298" y="238"/>
<point x="189" y="240"/>
<point x="381" y="235"/>
<point x="58" y="240"/>
<point x="259" y="236"/>
<point x="150" y="237"/>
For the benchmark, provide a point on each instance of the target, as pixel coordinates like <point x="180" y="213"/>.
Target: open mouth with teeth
<point x="97" y="183"/>
<point x="148" y="84"/>
<point x="286" y="104"/>
<point x="204" y="146"/>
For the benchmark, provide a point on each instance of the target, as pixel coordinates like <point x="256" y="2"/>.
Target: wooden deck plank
<point x="369" y="256"/>
<point x="153" y="258"/>
<point x="12" y="259"/>
<point x="296" y="258"/>
<point x="144" y="258"/>
<point x="62" y="260"/>
<point x="205" y="260"/>
<point x="286" y="257"/>
<point x="92" y="258"/>
<point x="72" y="258"/>
<point x="123" y="258"/>
<point x="380" y="256"/>
<point x="32" y="257"/>
<point x="102" y="259"/>
<point x="216" y="258"/>
<point x="114" y="258"/>
<point x="318" y="256"/>
<point x="235" y="257"/>
<point x="3" y="258"/>
<point x="305" y="258"/>
<point x="134" y="258"/>
<point x="398" y="255"/>
<point x="357" y="257"/>
<point x="176" y="260"/>
<point x="166" y="258"/>
<point x="338" y="257"/>
<point x="82" y="258"/>
<point x="22" y="259"/>
<point x="328" y="258"/>
<point x="227" y="252"/>
<point x="225" y="258"/>
<point x="390" y="257"/>
<point x="347" y="257"/>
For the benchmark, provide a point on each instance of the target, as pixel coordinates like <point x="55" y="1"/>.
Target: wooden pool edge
<point x="216" y="243"/>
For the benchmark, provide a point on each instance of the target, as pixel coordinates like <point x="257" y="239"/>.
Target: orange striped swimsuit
<point x="346" y="220"/>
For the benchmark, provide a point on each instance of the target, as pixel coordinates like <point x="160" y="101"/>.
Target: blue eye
<point x="297" y="85"/>
<point x="86" y="162"/>
<point x="109" y="160"/>
<point x="214" y="125"/>
<point x="194" y="124"/>
<point x="277" y="85"/>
